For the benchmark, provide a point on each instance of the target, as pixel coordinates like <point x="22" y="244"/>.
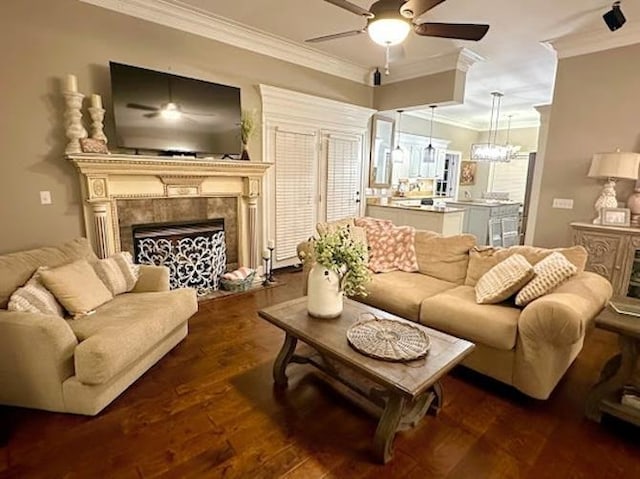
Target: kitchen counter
<point x="492" y="222"/>
<point x="446" y="221"/>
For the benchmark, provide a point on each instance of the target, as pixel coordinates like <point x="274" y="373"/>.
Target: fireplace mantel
<point x="104" y="179"/>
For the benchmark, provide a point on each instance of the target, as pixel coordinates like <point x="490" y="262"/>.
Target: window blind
<point x="296" y="190"/>
<point x="510" y="177"/>
<point x="343" y="177"/>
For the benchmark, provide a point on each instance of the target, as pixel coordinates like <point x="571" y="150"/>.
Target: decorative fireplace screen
<point x="195" y="253"/>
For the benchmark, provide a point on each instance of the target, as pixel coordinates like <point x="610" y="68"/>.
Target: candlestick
<point x="97" y="125"/>
<point x="265" y="282"/>
<point x="265" y="254"/>
<point x="96" y="101"/>
<point x="270" y="278"/>
<point x="71" y="84"/>
<point x="271" y="244"/>
<point x="73" y="116"/>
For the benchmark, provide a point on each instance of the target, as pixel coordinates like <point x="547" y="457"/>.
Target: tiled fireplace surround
<point x="120" y="191"/>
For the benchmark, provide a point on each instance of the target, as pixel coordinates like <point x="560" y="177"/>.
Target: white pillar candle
<point x="96" y="101"/>
<point x="271" y="244"/>
<point x="265" y="254"/>
<point x="71" y="85"/>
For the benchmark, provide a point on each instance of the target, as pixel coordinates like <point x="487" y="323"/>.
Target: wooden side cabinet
<point x="614" y="252"/>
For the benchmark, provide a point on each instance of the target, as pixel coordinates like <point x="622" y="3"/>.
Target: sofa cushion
<point x="552" y="271"/>
<point x="444" y="257"/>
<point x="504" y="280"/>
<point x="482" y="260"/>
<point x="17" y="268"/>
<point x="118" y="272"/>
<point x="456" y="312"/>
<point x="402" y="293"/>
<point x="124" y="329"/>
<point x="331" y="227"/>
<point x="33" y="297"/>
<point x="77" y="286"/>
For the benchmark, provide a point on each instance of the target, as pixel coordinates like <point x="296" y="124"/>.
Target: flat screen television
<point x="172" y="114"/>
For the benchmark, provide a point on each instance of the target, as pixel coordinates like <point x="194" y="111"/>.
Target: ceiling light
<point x="491" y="151"/>
<point x="429" y="153"/>
<point x="388" y="31"/>
<point x="397" y="155"/>
<point x="170" y="111"/>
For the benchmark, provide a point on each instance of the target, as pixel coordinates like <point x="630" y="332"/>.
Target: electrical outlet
<point x="45" y="198"/>
<point x="563" y="203"/>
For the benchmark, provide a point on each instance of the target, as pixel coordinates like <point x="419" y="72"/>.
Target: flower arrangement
<point x="339" y="253"/>
<point x="248" y="123"/>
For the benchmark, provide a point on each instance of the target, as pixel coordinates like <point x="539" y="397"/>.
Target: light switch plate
<point x="563" y="203"/>
<point x="45" y="197"/>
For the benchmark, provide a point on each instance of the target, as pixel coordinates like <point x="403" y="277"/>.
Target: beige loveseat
<point x="81" y="365"/>
<point x="528" y="348"/>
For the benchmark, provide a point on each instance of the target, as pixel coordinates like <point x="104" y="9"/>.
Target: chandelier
<point x="491" y="150"/>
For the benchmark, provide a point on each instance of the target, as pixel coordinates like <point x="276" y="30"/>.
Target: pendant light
<point x="429" y="153"/>
<point x="512" y="150"/>
<point x="397" y="155"/>
<point x="491" y="151"/>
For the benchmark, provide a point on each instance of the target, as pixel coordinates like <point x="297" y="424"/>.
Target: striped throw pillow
<point x="33" y="297"/>
<point x="118" y="272"/>
<point x="552" y="271"/>
<point x="503" y="280"/>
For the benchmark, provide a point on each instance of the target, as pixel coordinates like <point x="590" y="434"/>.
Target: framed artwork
<point x="616" y="216"/>
<point x="468" y="173"/>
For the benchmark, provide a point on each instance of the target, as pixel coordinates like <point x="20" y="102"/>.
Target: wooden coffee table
<point x="401" y="393"/>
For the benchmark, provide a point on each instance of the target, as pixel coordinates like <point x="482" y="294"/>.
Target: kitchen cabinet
<point x="446" y="221"/>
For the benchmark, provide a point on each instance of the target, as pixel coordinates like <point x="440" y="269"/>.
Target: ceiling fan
<point x="169" y="110"/>
<point x="390" y="21"/>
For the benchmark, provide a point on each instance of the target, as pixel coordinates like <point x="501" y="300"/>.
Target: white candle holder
<point x="73" y="116"/>
<point x="97" y="125"/>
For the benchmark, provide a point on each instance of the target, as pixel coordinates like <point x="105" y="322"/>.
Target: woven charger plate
<point x="388" y="340"/>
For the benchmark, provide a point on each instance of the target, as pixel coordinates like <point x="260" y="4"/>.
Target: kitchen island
<point x="446" y="221"/>
<point x="492" y="222"/>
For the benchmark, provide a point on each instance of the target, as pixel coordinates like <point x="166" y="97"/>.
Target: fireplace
<point x="195" y="253"/>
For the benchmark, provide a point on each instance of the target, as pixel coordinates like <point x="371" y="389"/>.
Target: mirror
<point x="381" y="146"/>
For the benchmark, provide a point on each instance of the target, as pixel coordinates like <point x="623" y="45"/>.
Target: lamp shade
<point x="618" y="164"/>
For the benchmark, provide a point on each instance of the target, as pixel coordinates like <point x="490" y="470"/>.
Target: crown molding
<point x="470" y="125"/>
<point x="289" y="105"/>
<point x="175" y="14"/>
<point x="461" y="59"/>
<point x="583" y="43"/>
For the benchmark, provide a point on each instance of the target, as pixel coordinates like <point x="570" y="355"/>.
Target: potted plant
<point x="247" y="127"/>
<point x="339" y="268"/>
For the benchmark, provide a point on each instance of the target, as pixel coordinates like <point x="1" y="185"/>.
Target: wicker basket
<point x="237" y="285"/>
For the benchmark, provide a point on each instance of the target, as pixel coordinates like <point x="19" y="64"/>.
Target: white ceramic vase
<point x="324" y="297"/>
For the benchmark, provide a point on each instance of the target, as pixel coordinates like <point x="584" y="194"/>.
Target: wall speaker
<point x="614" y="18"/>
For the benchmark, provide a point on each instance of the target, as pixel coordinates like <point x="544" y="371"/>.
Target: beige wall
<point x="596" y="107"/>
<point x="444" y="87"/>
<point x="43" y="40"/>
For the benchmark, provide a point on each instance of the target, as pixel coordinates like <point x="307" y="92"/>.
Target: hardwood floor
<point x="208" y="409"/>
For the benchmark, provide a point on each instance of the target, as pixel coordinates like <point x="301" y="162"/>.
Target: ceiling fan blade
<point x="137" y="106"/>
<point x="415" y="8"/>
<point x="152" y="115"/>
<point x="461" y="31"/>
<point x="351" y="7"/>
<point x="336" y="35"/>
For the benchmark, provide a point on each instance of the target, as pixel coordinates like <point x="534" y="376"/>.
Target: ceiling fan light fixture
<point x="388" y="31"/>
<point x="170" y="111"/>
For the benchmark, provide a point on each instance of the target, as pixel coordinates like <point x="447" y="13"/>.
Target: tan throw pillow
<point x="76" y="286"/>
<point x="503" y="280"/>
<point x="33" y="297"/>
<point x="549" y="273"/>
<point x="333" y="226"/>
<point x="118" y="272"/>
<point x="444" y="257"/>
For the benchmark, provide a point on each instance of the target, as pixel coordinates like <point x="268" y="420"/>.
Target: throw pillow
<point x="503" y="280"/>
<point x="33" y="297"/>
<point x="444" y="257"/>
<point x="391" y="247"/>
<point x="76" y="286"/>
<point x="549" y="273"/>
<point x="118" y="272"/>
<point x="331" y="227"/>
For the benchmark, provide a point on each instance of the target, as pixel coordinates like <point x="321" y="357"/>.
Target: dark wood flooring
<point x="208" y="409"/>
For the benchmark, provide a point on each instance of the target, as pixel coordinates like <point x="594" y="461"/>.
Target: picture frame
<point x="616" y="216"/>
<point x="468" y="173"/>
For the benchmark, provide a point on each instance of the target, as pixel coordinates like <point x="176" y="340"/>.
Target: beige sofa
<point x="528" y="348"/>
<point x="81" y="365"/>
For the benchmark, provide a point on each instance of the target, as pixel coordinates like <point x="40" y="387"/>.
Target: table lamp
<point x="612" y="166"/>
